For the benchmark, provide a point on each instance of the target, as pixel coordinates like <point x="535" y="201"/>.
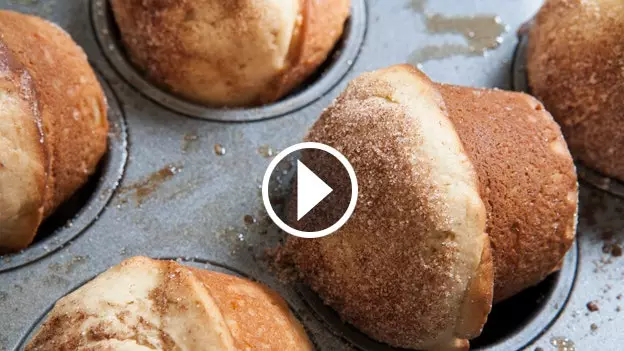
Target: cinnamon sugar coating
<point x="411" y="267"/>
<point x="230" y="53"/>
<point x="575" y="66"/>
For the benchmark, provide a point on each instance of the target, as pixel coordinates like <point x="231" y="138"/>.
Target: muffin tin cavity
<point x="520" y="83"/>
<point x="192" y="262"/>
<point x="512" y="324"/>
<point x="78" y="213"/>
<point x="324" y="79"/>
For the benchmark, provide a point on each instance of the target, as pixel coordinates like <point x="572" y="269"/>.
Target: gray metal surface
<point x="178" y="198"/>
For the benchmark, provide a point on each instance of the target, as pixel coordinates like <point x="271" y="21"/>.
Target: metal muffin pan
<point x="198" y="210"/>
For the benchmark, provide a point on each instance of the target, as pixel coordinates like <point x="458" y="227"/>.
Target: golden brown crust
<point x="478" y="301"/>
<point x="144" y="304"/>
<point x="401" y="267"/>
<point x="230" y="53"/>
<point x="237" y="298"/>
<point x="60" y="133"/>
<point x="528" y="181"/>
<point x="69" y="97"/>
<point x="322" y="26"/>
<point x="23" y="156"/>
<point x="576" y="67"/>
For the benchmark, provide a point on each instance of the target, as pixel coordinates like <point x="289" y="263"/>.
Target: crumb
<point x="219" y="149"/>
<point x="594" y="327"/>
<point x="613" y="249"/>
<point x="249" y="219"/>
<point x="592" y="306"/>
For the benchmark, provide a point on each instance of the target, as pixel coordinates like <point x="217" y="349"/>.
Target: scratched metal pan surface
<point x="190" y="186"/>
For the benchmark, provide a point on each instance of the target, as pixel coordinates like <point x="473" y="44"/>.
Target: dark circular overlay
<point x="283" y="190"/>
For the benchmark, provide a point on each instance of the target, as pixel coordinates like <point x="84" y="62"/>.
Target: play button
<point x="310" y="190"/>
<point x="319" y="199"/>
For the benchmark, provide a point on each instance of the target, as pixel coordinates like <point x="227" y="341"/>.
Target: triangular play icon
<point x="310" y="190"/>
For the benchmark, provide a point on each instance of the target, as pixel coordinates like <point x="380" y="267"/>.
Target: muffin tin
<point x="178" y="198"/>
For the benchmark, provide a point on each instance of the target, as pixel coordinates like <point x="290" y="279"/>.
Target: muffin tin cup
<point x="76" y="215"/>
<point x="540" y="306"/>
<point x="328" y="75"/>
<point x="192" y="262"/>
<point x="534" y="310"/>
<point x="520" y="83"/>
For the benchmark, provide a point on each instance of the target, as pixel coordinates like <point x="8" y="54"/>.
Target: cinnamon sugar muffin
<point x="576" y="67"/>
<point x="144" y="304"/>
<point x="54" y="126"/>
<point x="412" y="267"/>
<point x="230" y="52"/>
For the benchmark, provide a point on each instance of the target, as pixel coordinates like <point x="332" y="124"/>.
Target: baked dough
<point x="230" y="52"/>
<point x="53" y="124"/>
<point x="412" y="266"/>
<point x="23" y="156"/>
<point x="528" y="181"/>
<point x="144" y="304"/>
<point x="576" y="67"/>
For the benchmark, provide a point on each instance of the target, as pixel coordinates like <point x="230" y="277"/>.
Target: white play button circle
<point x="325" y="190"/>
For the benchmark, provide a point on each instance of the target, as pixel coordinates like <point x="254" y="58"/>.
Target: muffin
<point x="55" y="125"/>
<point x="575" y="66"/>
<point x="412" y="266"/>
<point x="230" y="53"/>
<point x="145" y="304"/>
<point x="444" y="172"/>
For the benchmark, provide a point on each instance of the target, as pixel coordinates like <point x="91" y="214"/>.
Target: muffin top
<point x="576" y="67"/>
<point x="144" y="304"/>
<point x="403" y="268"/>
